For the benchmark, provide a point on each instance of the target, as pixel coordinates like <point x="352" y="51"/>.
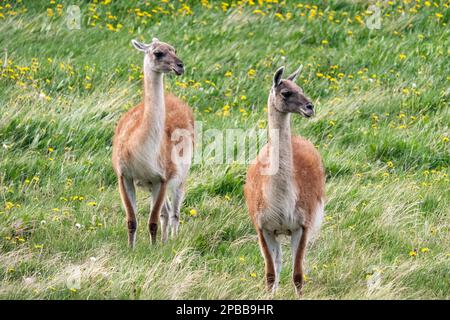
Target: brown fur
<point x="309" y="177"/>
<point x="269" y="267"/>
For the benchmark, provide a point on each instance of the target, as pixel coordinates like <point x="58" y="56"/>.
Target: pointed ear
<point x="277" y="76"/>
<point x="139" y="45"/>
<point x="294" y="76"/>
<point x="155" y="40"/>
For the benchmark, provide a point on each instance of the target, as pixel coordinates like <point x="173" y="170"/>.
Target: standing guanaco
<point x="289" y="198"/>
<point x="146" y="146"/>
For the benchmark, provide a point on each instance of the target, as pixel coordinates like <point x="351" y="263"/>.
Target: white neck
<point x="154" y="105"/>
<point x="280" y="131"/>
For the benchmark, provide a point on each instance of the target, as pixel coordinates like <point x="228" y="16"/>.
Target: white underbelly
<point x="143" y="169"/>
<point x="281" y="221"/>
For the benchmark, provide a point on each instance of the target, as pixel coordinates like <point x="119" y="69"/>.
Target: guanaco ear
<point x="294" y="76"/>
<point x="155" y="40"/>
<point x="277" y="77"/>
<point x="139" y="45"/>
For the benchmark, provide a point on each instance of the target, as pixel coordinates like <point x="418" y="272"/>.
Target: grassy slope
<point x="381" y="126"/>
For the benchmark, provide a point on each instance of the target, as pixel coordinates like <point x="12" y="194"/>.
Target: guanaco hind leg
<point x="166" y="212"/>
<point x="177" y="201"/>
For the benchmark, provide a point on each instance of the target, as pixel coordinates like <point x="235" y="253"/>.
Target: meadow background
<point x="382" y="127"/>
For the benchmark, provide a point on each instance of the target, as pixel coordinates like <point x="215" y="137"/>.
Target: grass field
<point x="382" y="127"/>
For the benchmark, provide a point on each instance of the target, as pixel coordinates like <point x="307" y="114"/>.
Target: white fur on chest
<point x="146" y="165"/>
<point x="281" y="216"/>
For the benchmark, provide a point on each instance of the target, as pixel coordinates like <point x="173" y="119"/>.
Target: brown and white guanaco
<point x="289" y="198"/>
<point x="146" y="145"/>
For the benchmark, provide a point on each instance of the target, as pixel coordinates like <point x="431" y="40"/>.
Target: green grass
<point x="382" y="127"/>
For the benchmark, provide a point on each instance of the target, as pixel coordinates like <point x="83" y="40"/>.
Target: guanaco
<point x="285" y="186"/>
<point x="153" y="143"/>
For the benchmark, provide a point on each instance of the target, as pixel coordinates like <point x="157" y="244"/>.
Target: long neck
<point x="154" y="106"/>
<point x="280" y="134"/>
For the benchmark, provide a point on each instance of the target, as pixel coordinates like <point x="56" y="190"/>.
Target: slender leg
<point x="299" y="241"/>
<point x="128" y="196"/>
<point x="178" y="196"/>
<point x="159" y="195"/>
<point x="271" y="250"/>
<point x="164" y="219"/>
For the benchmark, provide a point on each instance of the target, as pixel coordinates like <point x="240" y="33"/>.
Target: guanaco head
<point x="288" y="97"/>
<point x="160" y="57"/>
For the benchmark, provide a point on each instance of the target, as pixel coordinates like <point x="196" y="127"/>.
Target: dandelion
<point x="92" y="204"/>
<point x="279" y="16"/>
<point x="413" y="253"/>
<point x="253" y="275"/>
<point x="73" y="290"/>
<point x="424" y="249"/>
<point x="228" y="74"/>
<point x="402" y="56"/>
<point x="324" y="42"/>
<point x="390" y="164"/>
<point x="9" y="205"/>
<point x="192" y="212"/>
<point x="38" y="246"/>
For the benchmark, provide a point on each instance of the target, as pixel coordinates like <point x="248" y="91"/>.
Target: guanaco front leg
<point x="299" y="242"/>
<point x="159" y="195"/>
<point x="271" y="250"/>
<point x="128" y="196"/>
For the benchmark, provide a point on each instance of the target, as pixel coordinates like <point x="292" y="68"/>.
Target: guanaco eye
<point x="286" y="94"/>
<point x="158" y="54"/>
